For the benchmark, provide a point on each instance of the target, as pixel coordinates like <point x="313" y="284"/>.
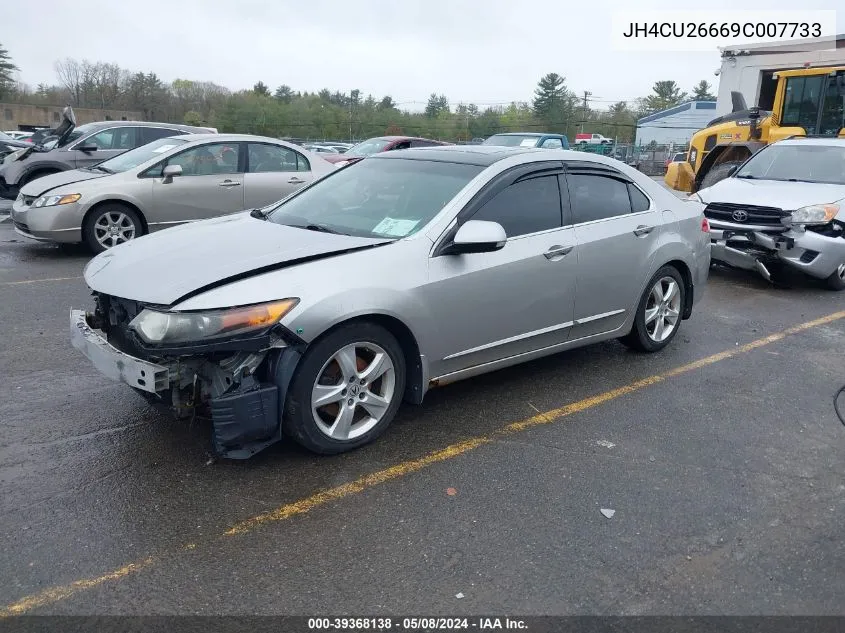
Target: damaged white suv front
<point x="783" y="208"/>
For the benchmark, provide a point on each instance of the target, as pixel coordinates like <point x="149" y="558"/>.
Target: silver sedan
<point x="166" y="182"/>
<point x="317" y="317"/>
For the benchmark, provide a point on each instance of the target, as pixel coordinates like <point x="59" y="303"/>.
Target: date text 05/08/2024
<point x="415" y="624"/>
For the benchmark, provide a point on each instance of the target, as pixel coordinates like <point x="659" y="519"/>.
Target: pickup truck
<point x="597" y="139"/>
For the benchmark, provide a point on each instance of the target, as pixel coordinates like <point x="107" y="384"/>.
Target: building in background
<point x="749" y="69"/>
<point x="19" y="116"/>
<point x="674" y="126"/>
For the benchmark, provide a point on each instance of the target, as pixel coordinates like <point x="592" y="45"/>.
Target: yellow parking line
<point x="36" y="281"/>
<point x="56" y="594"/>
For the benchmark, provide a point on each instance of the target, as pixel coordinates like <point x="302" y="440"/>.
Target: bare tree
<point x="70" y="74"/>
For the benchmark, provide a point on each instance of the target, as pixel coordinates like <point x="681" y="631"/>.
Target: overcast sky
<point x="480" y="51"/>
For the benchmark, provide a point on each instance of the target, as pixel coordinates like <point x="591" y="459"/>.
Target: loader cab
<point x="811" y="103"/>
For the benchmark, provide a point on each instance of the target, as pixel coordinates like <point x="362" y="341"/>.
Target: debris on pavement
<point x="608" y="513"/>
<point x="451" y="492"/>
<point x="459" y="595"/>
<point x="605" y="443"/>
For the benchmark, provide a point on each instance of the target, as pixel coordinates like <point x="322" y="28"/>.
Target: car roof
<point x="482" y="155"/>
<point x="522" y="134"/>
<point x="232" y="138"/>
<point x="175" y="126"/>
<point x="801" y="140"/>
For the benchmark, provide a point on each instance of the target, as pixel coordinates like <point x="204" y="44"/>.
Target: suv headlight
<point x="52" y="201"/>
<point x="814" y="214"/>
<point x="185" y="327"/>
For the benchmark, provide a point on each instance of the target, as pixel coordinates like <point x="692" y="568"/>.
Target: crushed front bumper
<point x="242" y="394"/>
<point x="113" y="363"/>
<point x="751" y="248"/>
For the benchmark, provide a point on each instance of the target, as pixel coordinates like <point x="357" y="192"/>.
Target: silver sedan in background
<point x="411" y="269"/>
<point x="169" y="181"/>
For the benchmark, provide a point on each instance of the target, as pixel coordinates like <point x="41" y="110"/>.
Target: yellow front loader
<point x="808" y="102"/>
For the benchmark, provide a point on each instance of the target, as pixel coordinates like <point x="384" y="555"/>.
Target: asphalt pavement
<point x="720" y="457"/>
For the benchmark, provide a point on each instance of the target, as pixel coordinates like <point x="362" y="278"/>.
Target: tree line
<point x="289" y="113"/>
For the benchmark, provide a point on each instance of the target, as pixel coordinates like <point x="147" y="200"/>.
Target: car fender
<point x="13" y="177"/>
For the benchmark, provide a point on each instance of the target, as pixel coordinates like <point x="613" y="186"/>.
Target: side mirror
<point x="477" y="236"/>
<point x="170" y="171"/>
<point x="88" y="147"/>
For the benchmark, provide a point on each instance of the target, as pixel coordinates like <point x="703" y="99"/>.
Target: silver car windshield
<point x="368" y="147"/>
<point x="139" y="155"/>
<point x="390" y="198"/>
<point x="512" y="140"/>
<point x="797" y="163"/>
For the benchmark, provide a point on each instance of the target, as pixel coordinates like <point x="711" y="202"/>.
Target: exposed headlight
<point x="184" y="327"/>
<point x="815" y="214"/>
<point x="52" y="201"/>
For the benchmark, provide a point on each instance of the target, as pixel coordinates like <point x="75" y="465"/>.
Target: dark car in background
<point x="78" y="147"/>
<point x="543" y="140"/>
<point x="380" y="144"/>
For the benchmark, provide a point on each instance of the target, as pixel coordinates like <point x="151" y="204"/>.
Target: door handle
<point x="558" y="252"/>
<point x="295" y="181"/>
<point x="642" y="229"/>
<point x="230" y="183"/>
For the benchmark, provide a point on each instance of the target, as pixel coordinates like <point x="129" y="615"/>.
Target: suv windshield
<point x="373" y="146"/>
<point x="139" y="155"/>
<point x="512" y="140"/>
<point x="376" y="198"/>
<point x="800" y="163"/>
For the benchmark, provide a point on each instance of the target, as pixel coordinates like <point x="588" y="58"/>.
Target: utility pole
<point x="587" y="93"/>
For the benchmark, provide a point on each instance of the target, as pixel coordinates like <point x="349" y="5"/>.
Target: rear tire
<point x="659" y="312"/>
<point x="111" y="224"/>
<point x="358" y="373"/>
<point x="719" y="172"/>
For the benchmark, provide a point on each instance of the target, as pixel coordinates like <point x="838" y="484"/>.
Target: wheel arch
<point x="414" y="369"/>
<point x="689" y="288"/>
<point x="144" y="225"/>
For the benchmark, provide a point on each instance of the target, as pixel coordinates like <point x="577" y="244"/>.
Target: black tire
<point x="836" y="281"/>
<point x="298" y="419"/>
<point x="638" y="338"/>
<point x="90" y="232"/>
<point x="719" y="172"/>
<point x="36" y="175"/>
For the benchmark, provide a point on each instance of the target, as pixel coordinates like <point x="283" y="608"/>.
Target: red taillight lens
<point x="705" y="225"/>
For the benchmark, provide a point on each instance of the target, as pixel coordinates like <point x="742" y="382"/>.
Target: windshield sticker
<point x="528" y="142"/>
<point x="395" y="228"/>
<point x="163" y="148"/>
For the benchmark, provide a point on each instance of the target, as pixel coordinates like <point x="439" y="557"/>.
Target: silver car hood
<point x="772" y="193"/>
<point x="42" y="185"/>
<point x="175" y="263"/>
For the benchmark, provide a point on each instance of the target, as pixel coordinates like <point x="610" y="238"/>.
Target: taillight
<point x="705" y="225"/>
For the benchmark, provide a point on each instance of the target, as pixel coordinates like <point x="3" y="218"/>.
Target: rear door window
<point x="597" y="197"/>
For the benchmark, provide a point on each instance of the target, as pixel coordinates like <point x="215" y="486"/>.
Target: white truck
<point x="592" y="139"/>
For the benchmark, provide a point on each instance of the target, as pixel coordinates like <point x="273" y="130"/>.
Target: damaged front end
<point x="764" y="239"/>
<point x="230" y="366"/>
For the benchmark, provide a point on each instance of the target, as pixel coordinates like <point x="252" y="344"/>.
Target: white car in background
<point x="784" y="208"/>
<point x="170" y="181"/>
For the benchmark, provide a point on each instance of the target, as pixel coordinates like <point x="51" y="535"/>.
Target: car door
<point x="109" y="143"/>
<point x="273" y="172"/>
<point x="520" y="298"/>
<point x="616" y="230"/>
<point x="211" y="184"/>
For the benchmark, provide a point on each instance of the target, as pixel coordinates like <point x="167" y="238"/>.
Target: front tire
<point x="718" y="173"/>
<point x="658" y="316"/>
<point x="837" y="280"/>
<point x="346" y="390"/>
<point x="110" y="224"/>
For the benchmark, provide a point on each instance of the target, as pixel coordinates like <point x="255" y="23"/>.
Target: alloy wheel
<point x="353" y="391"/>
<point x="113" y="228"/>
<point x="663" y="309"/>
